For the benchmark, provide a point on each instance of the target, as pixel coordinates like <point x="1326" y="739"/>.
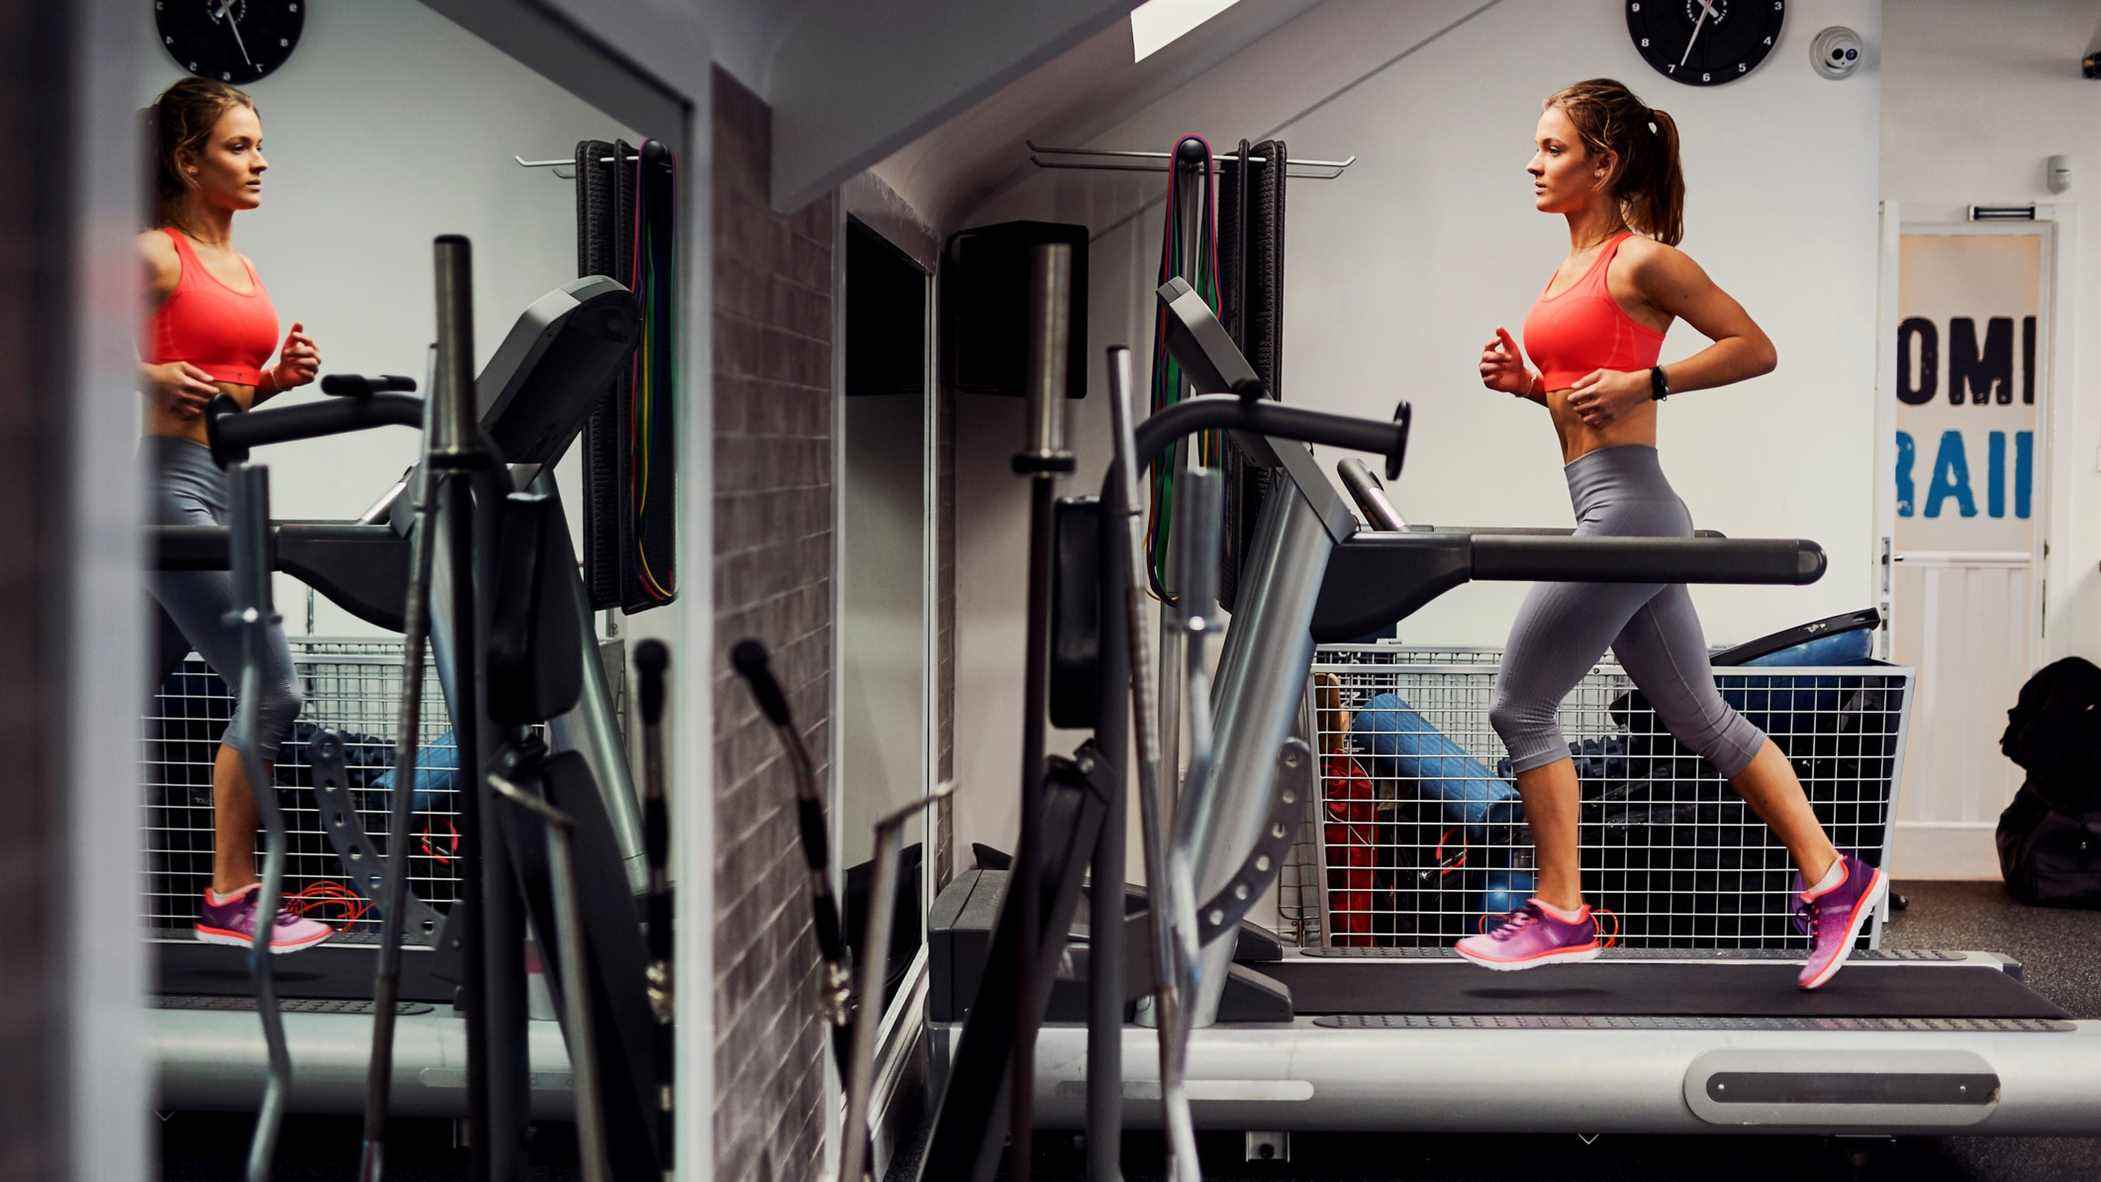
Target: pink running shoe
<point x="1834" y="918"/>
<point x="1531" y="937"/>
<point x="230" y="919"/>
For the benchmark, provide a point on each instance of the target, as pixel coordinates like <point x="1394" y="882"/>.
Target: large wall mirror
<point x="886" y="502"/>
<point x="387" y="125"/>
<point x="314" y="201"/>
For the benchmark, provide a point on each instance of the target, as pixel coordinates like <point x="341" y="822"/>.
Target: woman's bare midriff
<point x="1580" y="438"/>
<point x="161" y="421"/>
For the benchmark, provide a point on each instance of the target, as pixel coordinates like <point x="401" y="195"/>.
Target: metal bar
<point x="1257" y="697"/>
<point x="386" y="985"/>
<point x="1155" y="800"/>
<point x="1370" y="495"/>
<point x="1121" y="153"/>
<point x="1126" y="154"/>
<point x="1303" y="176"/>
<point x="652" y="658"/>
<point x="1965" y="557"/>
<point x="233" y="436"/>
<point x="1172" y="665"/>
<point x="570" y="163"/>
<point x="501" y="910"/>
<point x="576" y="988"/>
<point x="454" y="430"/>
<point x="458" y="658"/>
<point x="495" y="968"/>
<point x="875" y="959"/>
<point x="1105" y="986"/>
<point x="1318" y="808"/>
<point x="590" y="728"/>
<point x="1050" y="285"/>
<point x="249" y="485"/>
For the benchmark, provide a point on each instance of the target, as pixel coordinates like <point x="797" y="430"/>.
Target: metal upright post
<point x="1193" y="178"/>
<point x="1042" y="459"/>
<point x="497" y="1071"/>
<point x="254" y="613"/>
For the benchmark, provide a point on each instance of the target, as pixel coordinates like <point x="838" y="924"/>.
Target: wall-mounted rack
<point x="1119" y="160"/>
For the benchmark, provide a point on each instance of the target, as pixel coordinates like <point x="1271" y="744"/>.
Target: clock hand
<point x="226" y="7"/>
<point x="1697" y="25"/>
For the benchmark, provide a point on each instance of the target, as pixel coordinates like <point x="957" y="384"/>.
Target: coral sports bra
<point x="1585" y="329"/>
<point x="226" y="333"/>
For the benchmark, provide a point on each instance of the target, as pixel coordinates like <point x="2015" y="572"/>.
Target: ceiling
<point x="1067" y="101"/>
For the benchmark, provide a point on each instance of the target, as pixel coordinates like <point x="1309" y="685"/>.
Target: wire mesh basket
<point x="1419" y="837"/>
<point x="351" y="686"/>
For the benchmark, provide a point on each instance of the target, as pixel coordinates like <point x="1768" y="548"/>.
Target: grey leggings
<point x="186" y="488"/>
<point x="1564" y="628"/>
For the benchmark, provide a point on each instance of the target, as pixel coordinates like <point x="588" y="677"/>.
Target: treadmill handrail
<point x="1369" y="494"/>
<point x="234" y="432"/>
<point x="1524" y="531"/>
<point x="360" y="568"/>
<point x="1377" y="578"/>
<point x="1276" y="420"/>
<point x="1790" y="561"/>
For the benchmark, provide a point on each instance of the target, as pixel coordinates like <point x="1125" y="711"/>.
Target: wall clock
<point x="1704" y="42"/>
<point x="237" y="41"/>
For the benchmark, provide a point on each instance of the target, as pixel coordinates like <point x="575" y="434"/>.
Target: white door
<point x="1964" y="401"/>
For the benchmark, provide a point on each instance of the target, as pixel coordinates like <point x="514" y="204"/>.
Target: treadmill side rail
<point x="1856" y="1088"/>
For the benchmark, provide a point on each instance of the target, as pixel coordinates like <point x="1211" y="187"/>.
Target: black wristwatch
<point x="1658" y="388"/>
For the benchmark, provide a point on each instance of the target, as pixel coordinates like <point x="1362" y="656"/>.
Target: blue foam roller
<point x="1396" y="743"/>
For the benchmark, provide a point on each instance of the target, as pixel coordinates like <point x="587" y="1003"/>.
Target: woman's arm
<point x="162" y="266"/>
<point x="1670" y="281"/>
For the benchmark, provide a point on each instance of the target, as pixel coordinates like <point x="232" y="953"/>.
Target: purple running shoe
<point x="1531" y="937"/>
<point x="230" y="919"/>
<point x="1835" y="916"/>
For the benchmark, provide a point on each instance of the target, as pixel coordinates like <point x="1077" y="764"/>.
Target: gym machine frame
<point x="2012" y="1064"/>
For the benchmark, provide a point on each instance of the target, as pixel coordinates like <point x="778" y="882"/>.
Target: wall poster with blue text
<point x="1968" y="347"/>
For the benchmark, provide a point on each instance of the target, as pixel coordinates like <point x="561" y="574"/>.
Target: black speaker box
<point x="985" y="307"/>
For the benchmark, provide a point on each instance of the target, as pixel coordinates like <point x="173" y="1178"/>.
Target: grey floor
<point x="2058" y="949"/>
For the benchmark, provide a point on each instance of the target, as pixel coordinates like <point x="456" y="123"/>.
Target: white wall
<point x="1974" y="99"/>
<point x="389" y="126"/>
<point x="1396" y="272"/>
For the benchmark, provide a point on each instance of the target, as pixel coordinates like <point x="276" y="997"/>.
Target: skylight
<point x="1156" y="23"/>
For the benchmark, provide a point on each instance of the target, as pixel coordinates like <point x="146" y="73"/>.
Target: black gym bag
<point x="2050" y="836"/>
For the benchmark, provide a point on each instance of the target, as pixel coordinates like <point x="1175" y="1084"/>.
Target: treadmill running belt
<point x="339" y="969"/>
<point x="1630" y="988"/>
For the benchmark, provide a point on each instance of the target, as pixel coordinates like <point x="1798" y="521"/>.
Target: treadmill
<point x="1373" y="1039"/>
<point x="534" y="395"/>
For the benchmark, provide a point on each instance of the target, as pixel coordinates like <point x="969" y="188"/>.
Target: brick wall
<point x="773" y="580"/>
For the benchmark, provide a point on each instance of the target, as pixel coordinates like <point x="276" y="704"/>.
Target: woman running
<point x="210" y="330"/>
<point x="1609" y="165"/>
